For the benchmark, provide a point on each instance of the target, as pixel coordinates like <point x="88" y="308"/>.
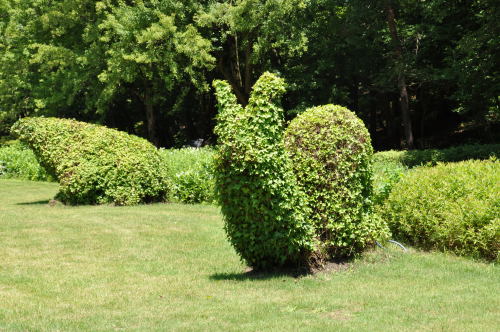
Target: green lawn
<point x="169" y="267"/>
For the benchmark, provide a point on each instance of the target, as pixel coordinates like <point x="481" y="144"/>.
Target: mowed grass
<point x="169" y="267"/>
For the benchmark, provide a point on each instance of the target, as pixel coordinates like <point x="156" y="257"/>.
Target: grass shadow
<point x="329" y="266"/>
<point x="44" y="202"/>
<point x="258" y="275"/>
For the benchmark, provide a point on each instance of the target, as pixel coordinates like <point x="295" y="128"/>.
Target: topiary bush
<point x="450" y="207"/>
<point x="18" y="161"/>
<point x="331" y="152"/>
<point x="95" y="164"/>
<point x="263" y="207"/>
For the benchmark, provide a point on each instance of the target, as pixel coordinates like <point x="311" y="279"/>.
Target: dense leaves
<point x="263" y="207"/>
<point x="18" y="161"/>
<point x="420" y="70"/>
<point x="331" y="154"/>
<point x="190" y="172"/>
<point x="94" y="164"/>
<point x="451" y="207"/>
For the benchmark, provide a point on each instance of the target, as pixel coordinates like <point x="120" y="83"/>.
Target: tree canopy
<point x="419" y="74"/>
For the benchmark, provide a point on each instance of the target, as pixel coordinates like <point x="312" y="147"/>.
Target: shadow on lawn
<point x="44" y="202"/>
<point x="332" y="266"/>
<point x="258" y="275"/>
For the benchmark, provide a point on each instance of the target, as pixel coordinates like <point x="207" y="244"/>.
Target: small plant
<point x="95" y="164"/>
<point x="450" y="207"/>
<point x="330" y="150"/>
<point x="190" y="172"/>
<point x="18" y="161"/>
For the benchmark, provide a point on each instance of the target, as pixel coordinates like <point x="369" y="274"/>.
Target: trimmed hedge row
<point x="190" y="172"/>
<point x="450" y="207"/>
<point x="414" y="158"/>
<point x="95" y="164"/>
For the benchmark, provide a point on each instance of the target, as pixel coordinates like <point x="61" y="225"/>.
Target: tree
<point x="252" y="36"/>
<point x="150" y="48"/>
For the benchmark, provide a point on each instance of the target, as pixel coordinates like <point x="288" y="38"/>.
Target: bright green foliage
<point x="94" y="164"/>
<point x="452" y="207"/>
<point x="18" y="161"/>
<point x="389" y="166"/>
<point x="264" y="209"/>
<point x="331" y="153"/>
<point x="190" y="174"/>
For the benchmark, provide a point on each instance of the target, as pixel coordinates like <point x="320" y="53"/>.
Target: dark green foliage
<point x="95" y="164"/>
<point x="331" y="153"/>
<point x="459" y="153"/>
<point x="433" y="156"/>
<point x="190" y="173"/>
<point x="451" y="207"/>
<point x="18" y="161"/>
<point x="264" y="209"/>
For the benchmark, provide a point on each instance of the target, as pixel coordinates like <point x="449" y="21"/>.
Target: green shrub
<point x="330" y="150"/>
<point x="18" y="161"/>
<point x="264" y="209"/>
<point x="385" y="175"/>
<point x="433" y="156"/>
<point x="389" y="166"/>
<point x="95" y="164"/>
<point x="190" y="173"/>
<point x="451" y="207"/>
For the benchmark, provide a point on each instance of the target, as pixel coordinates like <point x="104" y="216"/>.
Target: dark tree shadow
<point x="328" y="266"/>
<point x="260" y="275"/>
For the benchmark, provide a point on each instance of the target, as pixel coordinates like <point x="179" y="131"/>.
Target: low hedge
<point x="414" y="158"/>
<point x="450" y="207"/>
<point x="18" y="161"/>
<point x="95" y="164"/>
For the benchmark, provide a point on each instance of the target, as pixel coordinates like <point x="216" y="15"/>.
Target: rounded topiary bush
<point x="95" y="164"/>
<point x="330" y="150"/>
<point x="450" y="207"/>
<point x="264" y="209"/>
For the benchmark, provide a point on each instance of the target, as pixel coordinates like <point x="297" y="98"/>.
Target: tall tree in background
<point x="400" y="72"/>
<point x="252" y="36"/>
<point x="150" y="48"/>
<point x="423" y="73"/>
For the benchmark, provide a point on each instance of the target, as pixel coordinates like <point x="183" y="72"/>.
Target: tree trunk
<point x="403" y="92"/>
<point x="238" y="72"/>
<point x="150" y="116"/>
<point x="240" y="95"/>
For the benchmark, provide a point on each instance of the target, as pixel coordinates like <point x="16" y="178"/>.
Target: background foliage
<point x="143" y="66"/>
<point x="18" y="161"/>
<point x="190" y="173"/>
